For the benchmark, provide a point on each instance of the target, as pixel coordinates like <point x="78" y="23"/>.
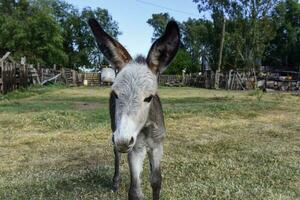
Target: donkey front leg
<point x="135" y="160"/>
<point x="116" y="179"/>
<point x="155" y="156"/>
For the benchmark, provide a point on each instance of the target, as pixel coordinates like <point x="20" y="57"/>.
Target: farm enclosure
<point x="55" y="143"/>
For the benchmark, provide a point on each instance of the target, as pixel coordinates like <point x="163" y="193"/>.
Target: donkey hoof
<point x="114" y="190"/>
<point x="135" y="195"/>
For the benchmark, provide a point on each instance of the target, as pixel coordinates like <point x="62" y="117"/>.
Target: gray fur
<point x="149" y="139"/>
<point x="136" y="113"/>
<point x="133" y="83"/>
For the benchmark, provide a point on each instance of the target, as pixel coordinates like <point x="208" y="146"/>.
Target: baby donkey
<point x="136" y="114"/>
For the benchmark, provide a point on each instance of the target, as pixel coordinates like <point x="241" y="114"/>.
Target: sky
<point x="132" y="16"/>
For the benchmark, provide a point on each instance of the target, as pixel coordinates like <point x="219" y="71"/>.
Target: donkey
<point x="137" y="120"/>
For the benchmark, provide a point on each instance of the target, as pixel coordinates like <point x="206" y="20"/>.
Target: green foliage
<point x="51" y="32"/>
<point x="32" y="32"/>
<point x="285" y="47"/>
<point x="182" y="61"/>
<point x="248" y="30"/>
<point x="257" y="33"/>
<point x="196" y="37"/>
<point x="159" y="22"/>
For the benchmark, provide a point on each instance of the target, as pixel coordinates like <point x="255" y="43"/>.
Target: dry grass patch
<point x="55" y="143"/>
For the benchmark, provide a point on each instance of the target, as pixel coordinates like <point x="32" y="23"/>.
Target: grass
<point x="55" y="143"/>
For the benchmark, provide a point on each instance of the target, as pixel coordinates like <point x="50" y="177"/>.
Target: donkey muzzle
<point x="124" y="145"/>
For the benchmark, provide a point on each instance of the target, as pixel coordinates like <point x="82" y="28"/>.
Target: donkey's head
<point x="136" y="82"/>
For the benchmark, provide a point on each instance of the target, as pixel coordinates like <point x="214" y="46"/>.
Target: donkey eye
<point x="114" y="94"/>
<point x="148" y="99"/>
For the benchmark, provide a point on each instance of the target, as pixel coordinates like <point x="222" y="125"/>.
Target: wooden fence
<point x="237" y="80"/>
<point x="205" y="80"/>
<point x="280" y="80"/>
<point x="13" y="75"/>
<point x="91" y="79"/>
<point x="48" y="76"/>
<point x="171" y="80"/>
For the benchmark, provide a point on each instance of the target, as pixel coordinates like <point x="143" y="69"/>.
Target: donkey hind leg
<point x="135" y="160"/>
<point x="116" y="179"/>
<point x="155" y="156"/>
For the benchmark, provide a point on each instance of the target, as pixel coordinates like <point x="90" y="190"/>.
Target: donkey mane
<point x="140" y="59"/>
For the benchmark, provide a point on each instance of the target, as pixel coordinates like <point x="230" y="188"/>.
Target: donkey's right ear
<point x="114" y="52"/>
<point x="164" y="49"/>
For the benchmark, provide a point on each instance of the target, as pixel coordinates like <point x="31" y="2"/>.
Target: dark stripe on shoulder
<point x="112" y="111"/>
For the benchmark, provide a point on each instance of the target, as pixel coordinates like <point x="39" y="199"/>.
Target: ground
<point x="55" y="143"/>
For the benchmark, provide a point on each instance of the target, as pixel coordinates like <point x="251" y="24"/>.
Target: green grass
<point x="55" y="143"/>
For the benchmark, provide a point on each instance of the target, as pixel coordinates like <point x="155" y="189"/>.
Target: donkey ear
<point x="114" y="52"/>
<point x="164" y="48"/>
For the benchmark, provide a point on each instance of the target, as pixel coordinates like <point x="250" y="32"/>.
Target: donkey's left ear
<point x="164" y="49"/>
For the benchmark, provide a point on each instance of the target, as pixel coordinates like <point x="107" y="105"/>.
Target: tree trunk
<point x="217" y="75"/>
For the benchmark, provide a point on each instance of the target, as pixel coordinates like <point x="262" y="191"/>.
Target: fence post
<point x="74" y="77"/>
<point x="183" y="77"/>
<point x="255" y="78"/>
<point x="298" y="81"/>
<point x="1" y="77"/>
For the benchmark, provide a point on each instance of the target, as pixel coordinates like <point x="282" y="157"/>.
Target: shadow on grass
<point x="21" y="107"/>
<point x="215" y="106"/>
<point x="57" y="185"/>
<point x="197" y="99"/>
<point x="92" y="179"/>
<point x="89" y="99"/>
<point x="51" y="103"/>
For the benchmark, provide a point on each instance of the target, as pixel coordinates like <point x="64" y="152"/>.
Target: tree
<point x="196" y="37"/>
<point x="79" y="43"/>
<point x="219" y="8"/>
<point x="257" y="28"/>
<point x="249" y="29"/>
<point x="182" y="61"/>
<point x="52" y="32"/>
<point x="159" y="22"/>
<point x="284" y="49"/>
<point x="7" y="6"/>
<point x="31" y="32"/>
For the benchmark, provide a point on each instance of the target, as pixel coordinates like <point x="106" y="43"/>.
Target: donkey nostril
<point x="131" y="141"/>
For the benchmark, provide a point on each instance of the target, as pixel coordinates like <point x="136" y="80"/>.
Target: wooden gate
<point x="12" y="75"/>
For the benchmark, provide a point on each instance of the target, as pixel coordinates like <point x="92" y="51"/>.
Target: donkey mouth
<point x="124" y="150"/>
<point x="124" y="147"/>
